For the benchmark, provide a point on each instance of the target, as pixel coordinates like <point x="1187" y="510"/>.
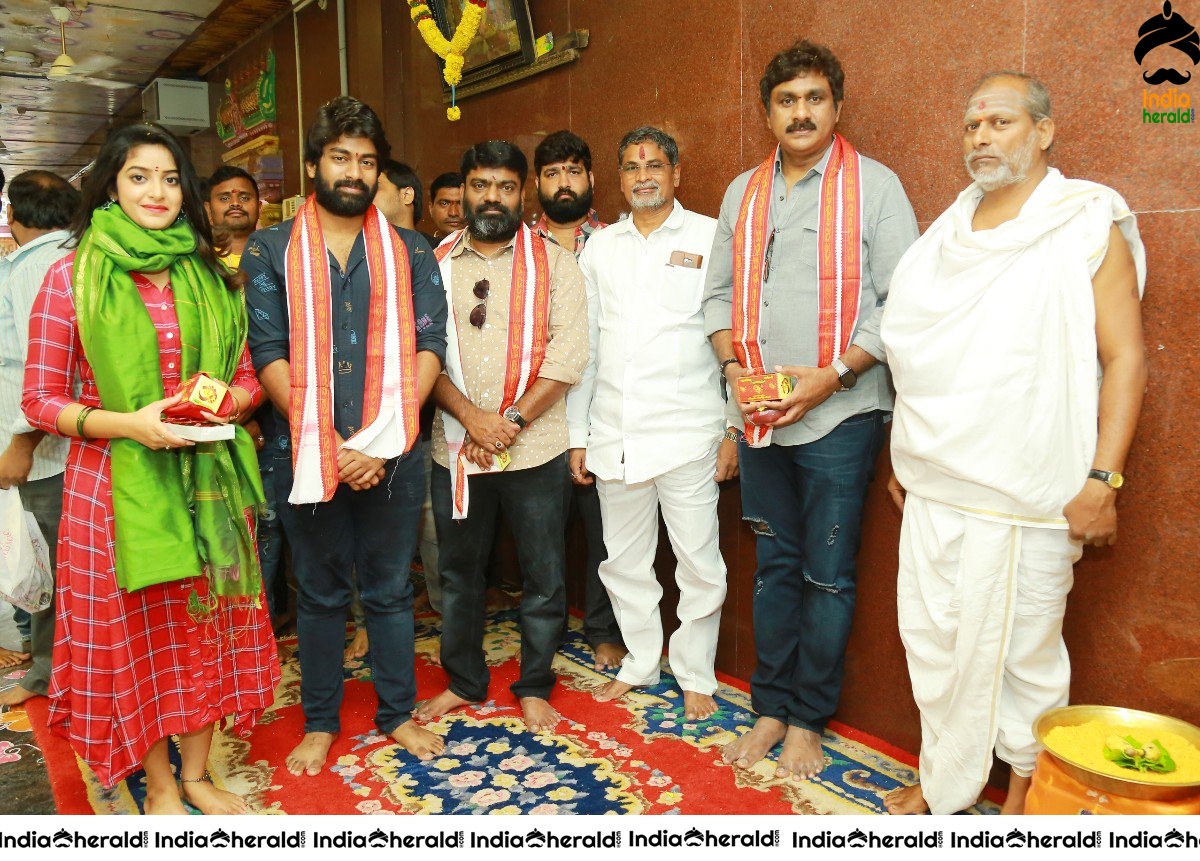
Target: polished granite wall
<point x="693" y="68"/>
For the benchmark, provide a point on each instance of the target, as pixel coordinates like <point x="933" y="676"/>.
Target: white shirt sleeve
<point x="579" y="398"/>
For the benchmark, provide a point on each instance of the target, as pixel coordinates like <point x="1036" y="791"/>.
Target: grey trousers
<point x="43" y="498"/>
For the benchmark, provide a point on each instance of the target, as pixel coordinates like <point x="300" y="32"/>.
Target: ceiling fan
<point x="66" y="69"/>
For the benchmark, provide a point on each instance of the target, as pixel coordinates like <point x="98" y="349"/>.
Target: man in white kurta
<point x="650" y="415"/>
<point x="1008" y="451"/>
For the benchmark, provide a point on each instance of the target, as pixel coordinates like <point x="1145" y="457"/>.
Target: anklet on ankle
<point x="207" y="778"/>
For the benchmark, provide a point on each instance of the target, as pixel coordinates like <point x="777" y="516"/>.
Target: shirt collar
<point x="57" y="237"/>
<point x="819" y="167"/>
<point x="464" y="242"/>
<point x="674" y="221"/>
<point x="589" y="226"/>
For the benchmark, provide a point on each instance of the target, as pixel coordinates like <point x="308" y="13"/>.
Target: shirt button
<point x="163" y="306"/>
<point x="170" y="366"/>
<point x="345" y="326"/>
<point x="170" y="335"/>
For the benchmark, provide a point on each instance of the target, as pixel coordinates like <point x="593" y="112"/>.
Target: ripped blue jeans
<point x="804" y="504"/>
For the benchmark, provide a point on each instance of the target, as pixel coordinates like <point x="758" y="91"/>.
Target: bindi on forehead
<point x="642" y="151"/>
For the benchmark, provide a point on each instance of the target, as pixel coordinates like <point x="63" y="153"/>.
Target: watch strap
<point x="1115" y="480"/>
<point x="845" y="373"/>
<point x="514" y="415"/>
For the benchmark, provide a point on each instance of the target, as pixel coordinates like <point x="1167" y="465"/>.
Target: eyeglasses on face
<point x="655" y="167"/>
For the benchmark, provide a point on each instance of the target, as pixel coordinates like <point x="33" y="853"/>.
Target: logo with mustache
<point x="1167" y="28"/>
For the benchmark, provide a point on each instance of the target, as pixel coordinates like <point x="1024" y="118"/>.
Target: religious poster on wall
<point x="248" y="107"/>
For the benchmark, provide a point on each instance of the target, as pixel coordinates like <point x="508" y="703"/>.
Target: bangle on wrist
<point x="733" y="434"/>
<point x="725" y="364"/>
<point x="80" y="419"/>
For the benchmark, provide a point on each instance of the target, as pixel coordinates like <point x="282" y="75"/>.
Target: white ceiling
<point x="123" y="41"/>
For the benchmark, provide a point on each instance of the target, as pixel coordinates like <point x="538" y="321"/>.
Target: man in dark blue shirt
<point x="358" y="457"/>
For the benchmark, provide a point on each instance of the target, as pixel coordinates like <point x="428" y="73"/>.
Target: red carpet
<point x="636" y="756"/>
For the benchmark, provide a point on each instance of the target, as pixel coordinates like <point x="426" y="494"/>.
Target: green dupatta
<point x="177" y="513"/>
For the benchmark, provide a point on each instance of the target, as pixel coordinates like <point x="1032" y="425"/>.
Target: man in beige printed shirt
<point x="509" y="417"/>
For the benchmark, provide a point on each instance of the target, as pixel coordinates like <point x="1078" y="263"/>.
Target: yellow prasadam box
<point x="205" y="392"/>
<point x="763" y="387"/>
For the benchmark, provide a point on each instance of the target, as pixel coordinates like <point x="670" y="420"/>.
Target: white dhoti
<point x="688" y="498"/>
<point x="981" y="606"/>
<point x="991" y="340"/>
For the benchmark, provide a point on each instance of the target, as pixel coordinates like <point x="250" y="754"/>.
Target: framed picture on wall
<point x="505" y="39"/>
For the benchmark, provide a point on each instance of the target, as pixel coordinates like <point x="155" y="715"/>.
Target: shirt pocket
<point x="682" y="290"/>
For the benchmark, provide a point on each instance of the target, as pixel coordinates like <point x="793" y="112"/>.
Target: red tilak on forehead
<point x="982" y="104"/>
<point x="642" y="151"/>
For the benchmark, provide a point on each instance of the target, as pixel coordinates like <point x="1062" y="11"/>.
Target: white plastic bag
<point x="26" y="580"/>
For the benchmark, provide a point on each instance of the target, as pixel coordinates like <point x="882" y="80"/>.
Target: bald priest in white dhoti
<point x="1013" y="334"/>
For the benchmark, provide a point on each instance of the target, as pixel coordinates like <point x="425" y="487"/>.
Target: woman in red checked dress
<point x="136" y="664"/>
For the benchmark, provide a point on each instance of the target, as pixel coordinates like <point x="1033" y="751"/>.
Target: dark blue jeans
<point x="374" y="533"/>
<point x="804" y="503"/>
<point x="275" y="455"/>
<point x="534" y="501"/>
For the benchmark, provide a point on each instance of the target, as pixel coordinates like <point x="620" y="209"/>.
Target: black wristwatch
<point x="845" y="374"/>
<point x="514" y="415"/>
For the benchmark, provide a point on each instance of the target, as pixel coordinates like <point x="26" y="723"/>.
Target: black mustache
<point x="351" y="183"/>
<point x="1166" y="76"/>
<point x="566" y="192"/>
<point x="802" y="126"/>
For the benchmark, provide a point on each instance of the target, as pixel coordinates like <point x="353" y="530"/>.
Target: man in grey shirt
<point x="804" y="250"/>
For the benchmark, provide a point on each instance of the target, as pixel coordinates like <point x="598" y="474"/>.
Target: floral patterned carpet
<point x="635" y="756"/>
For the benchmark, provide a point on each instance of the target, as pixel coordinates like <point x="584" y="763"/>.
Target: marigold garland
<point x="451" y="50"/>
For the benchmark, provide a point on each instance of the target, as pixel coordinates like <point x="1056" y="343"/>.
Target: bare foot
<point x="434" y="708"/>
<point x="163" y="802"/>
<point x="211" y="801"/>
<point x="540" y="716"/>
<point x="358" y="646"/>
<point x="614" y="690"/>
<point x="435" y="657"/>
<point x="420" y="742"/>
<point x="496" y="599"/>
<point x="754" y="745"/>
<point x="802" y="757"/>
<point x="309" y="755"/>
<point x="16" y="695"/>
<point x="905" y="801"/>
<point x="9" y="658"/>
<point x="1018" y="788"/>
<point x="609" y="655"/>
<point x="698" y="706"/>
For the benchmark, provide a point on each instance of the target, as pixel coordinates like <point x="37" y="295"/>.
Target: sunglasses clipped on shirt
<point x="479" y="312"/>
